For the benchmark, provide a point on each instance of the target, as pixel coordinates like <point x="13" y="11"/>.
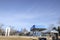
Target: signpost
<point x="7" y="31"/>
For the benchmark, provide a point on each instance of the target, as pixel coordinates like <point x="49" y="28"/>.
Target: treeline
<point x="23" y="32"/>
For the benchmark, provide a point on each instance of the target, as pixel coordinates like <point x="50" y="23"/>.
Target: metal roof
<point x="54" y="31"/>
<point x="39" y="26"/>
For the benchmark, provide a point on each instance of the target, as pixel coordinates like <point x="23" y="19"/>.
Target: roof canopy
<point x="54" y="31"/>
<point x="38" y="28"/>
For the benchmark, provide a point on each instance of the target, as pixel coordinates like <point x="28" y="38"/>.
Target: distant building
<point x="36" y="30"/>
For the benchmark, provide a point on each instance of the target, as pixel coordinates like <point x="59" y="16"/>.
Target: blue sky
<point x="25" y="13"/>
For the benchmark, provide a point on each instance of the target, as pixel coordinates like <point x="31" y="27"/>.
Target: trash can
<point x="42" y="39"/>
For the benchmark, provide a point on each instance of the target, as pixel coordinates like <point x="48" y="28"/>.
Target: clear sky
<point x="25" y="13"/>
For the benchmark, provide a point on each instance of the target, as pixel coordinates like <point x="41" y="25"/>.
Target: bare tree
<point x="12" y="30"/>
<point x="24" y="31"/>
<point x="1" y="29"/>
<point x="59" y="22"/>
<point x="1" y="25"/>
<point x="59" y="30"/>
<point x="51" y="26"/>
